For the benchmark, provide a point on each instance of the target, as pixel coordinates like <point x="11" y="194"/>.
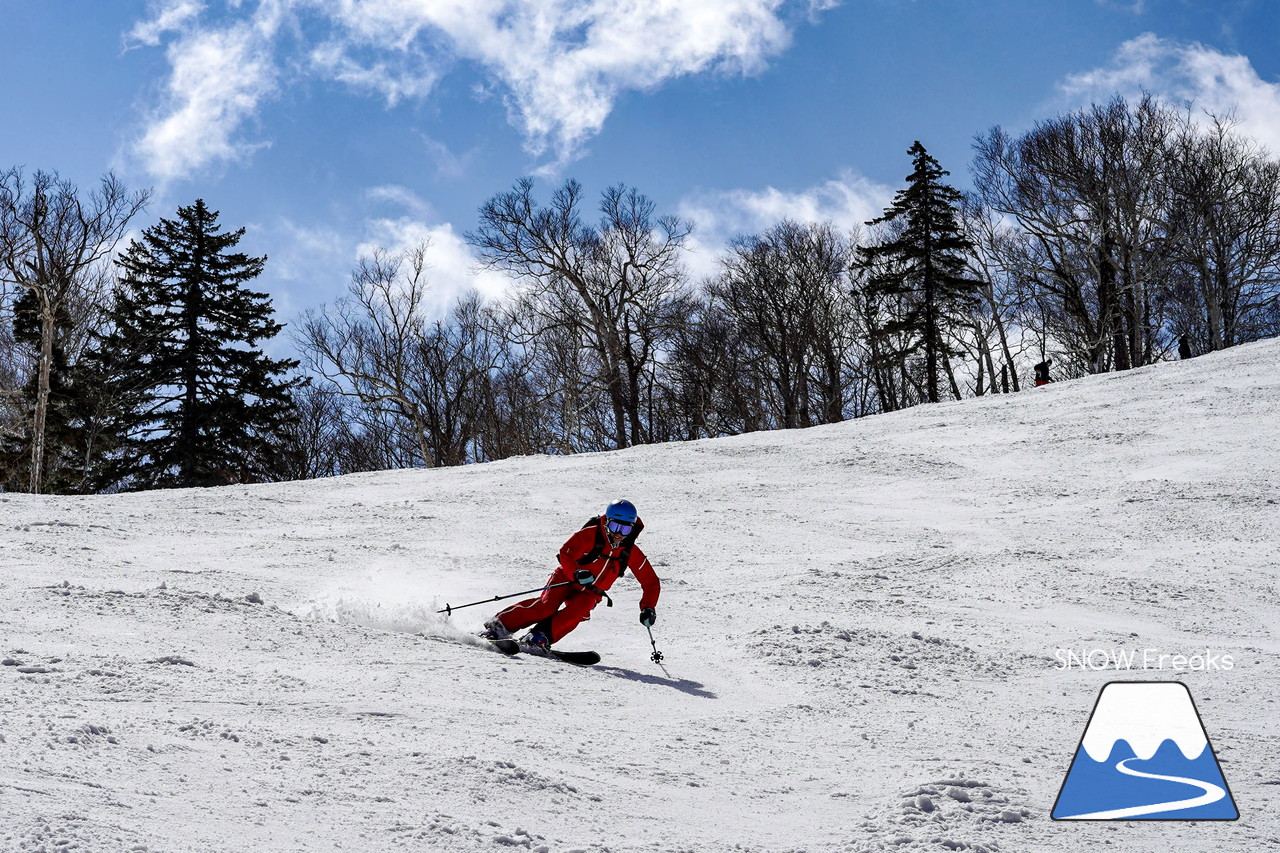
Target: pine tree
<point x="203" y="405"/>
<point x="923" y="265"/>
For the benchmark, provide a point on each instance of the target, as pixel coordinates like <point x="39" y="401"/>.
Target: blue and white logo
<point x="1145" y="756"/>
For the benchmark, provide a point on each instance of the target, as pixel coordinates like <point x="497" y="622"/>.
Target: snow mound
<point x="952" y="813"/>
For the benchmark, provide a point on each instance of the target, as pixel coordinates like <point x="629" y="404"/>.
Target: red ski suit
<point x="562" y="609"/>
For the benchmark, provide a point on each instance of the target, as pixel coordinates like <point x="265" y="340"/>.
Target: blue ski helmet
<point x="622" y="510"/>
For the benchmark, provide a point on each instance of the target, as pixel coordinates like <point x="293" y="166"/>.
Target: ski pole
<point x="448" y="610"/>
<point x="656" y="657"/>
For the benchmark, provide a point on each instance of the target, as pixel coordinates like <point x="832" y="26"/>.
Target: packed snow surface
<point x="865" y="627"/>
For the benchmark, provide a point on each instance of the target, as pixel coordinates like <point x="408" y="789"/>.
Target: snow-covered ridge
<point x="1144" y="714"/>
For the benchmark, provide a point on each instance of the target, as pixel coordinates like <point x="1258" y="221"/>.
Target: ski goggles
<point x="622" y="528"/>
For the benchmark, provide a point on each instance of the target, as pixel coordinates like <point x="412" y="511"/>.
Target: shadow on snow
<point x="684" y="685"/>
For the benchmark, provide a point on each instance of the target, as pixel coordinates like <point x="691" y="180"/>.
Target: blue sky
<point x="328" y="127"/>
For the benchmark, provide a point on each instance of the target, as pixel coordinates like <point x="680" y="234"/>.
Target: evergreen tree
<point x="202" y="404"/>
<point x="922" y="267"/>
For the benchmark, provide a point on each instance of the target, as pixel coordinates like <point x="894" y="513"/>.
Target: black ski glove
<point x="648" y="616"/>
<point x="584" y="577"/>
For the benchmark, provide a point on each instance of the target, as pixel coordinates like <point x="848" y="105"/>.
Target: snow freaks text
<point x="1147" y="659"/>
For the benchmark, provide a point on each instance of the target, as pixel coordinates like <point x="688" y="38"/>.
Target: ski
<point x="511" y="647"/>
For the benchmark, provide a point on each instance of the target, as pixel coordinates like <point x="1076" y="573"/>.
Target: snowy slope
<point x="861" y="625"/>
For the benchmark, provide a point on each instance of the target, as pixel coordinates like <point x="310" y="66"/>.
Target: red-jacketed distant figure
<point x="593" y="558"/>
<point x="1042" y="373"/>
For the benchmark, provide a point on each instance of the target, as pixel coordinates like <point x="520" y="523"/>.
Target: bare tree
<point x="518" y="415"/>
<point x="562" y="375"/>
<point x="458" y="354"/>
<point x="993" y="254"/>
<point x="50" y="240"/>
<point x="785" y="290"/>
<point x="1226" y="207"/>
<point x="425" y="377"/>
<point x="310" y="447"/>
<point x="608" y="283"/>
<point x="1090" y="189"/>
<point x="713" y="387"/>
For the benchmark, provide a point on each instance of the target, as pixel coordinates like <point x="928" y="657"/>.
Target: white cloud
<point x="564" y="63"/>
<point x="451" y="267"/>
<point x="315" y="256"/>
<point x="219" y="78"/>
<point x="397" y="79"/>
<point x="1214" y="82"/>
<point x="559" y="64"/>
<point x="321" y="258"/>
<point x="448" y="164"/>
<point x="166" y="16"/>
<point x="847" y="201"/>
<point x="1134" y="7"/>
<point x="399" y="196"/>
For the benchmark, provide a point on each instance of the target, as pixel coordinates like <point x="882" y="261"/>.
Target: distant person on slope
<point x="1042" y="373"/>
<point x="592" y="559"/>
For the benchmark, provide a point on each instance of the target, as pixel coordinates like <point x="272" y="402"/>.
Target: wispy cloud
<point x="219" y="79"/>
<point x="318" y="258"/>
<point x="315" y="256"/>
<point x="448" y="164"/>
<point x="1134" y="7"/>
<point x="405" y="223"/>
<point x="559" y="65"/>
<point x="400" y="197"/>
<point x="565" y="63"/>
<point x="846" y="201"/>
<point x="451" y="267"/>
<point x="166" y="16"/>
<point x="1211" y="81"/>
<point x="403" y="76"/>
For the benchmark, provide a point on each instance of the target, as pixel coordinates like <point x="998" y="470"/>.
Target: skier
<point x="592" y="559"/>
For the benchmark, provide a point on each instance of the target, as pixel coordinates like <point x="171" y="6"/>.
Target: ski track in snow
<point x="859" y="624"/>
